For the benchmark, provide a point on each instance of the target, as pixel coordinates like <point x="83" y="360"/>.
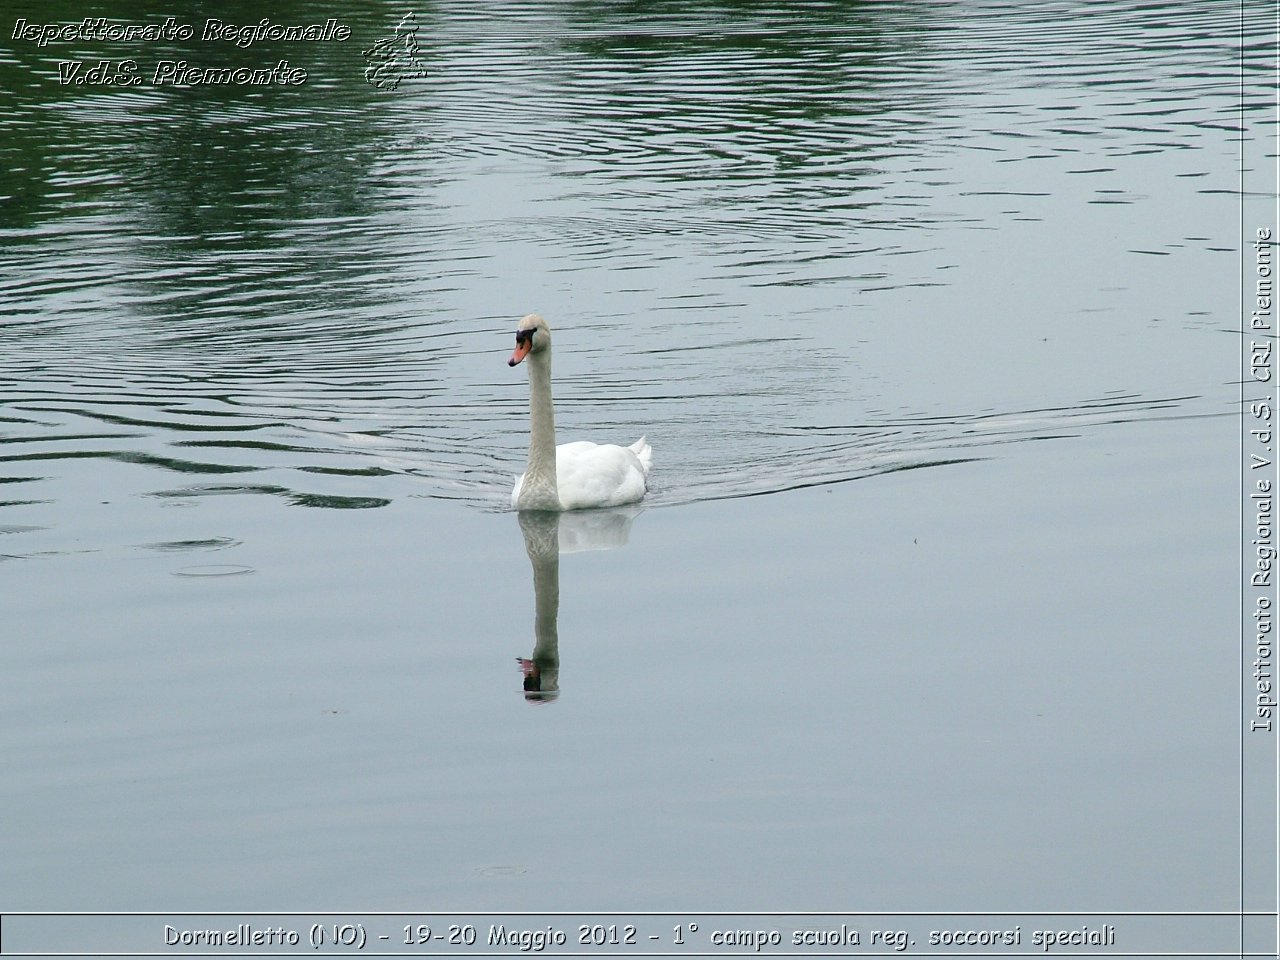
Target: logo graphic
<point x="395" y="58"/>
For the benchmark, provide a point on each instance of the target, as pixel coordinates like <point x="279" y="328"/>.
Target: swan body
<point x="588" y="475"/>
<point x="572" y="476"/>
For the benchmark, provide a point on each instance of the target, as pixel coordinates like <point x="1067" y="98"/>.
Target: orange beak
<point x="522" y="350"/>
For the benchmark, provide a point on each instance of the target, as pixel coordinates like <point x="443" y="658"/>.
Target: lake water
<point x="274" y="639"/>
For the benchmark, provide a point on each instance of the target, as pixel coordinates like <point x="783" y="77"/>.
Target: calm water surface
<point x="264" y="598"/>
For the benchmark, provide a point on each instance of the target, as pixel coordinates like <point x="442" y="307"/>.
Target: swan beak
<point x="522" y="350"/>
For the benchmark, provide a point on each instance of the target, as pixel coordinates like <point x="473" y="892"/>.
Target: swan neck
<point x="542" y="421"/>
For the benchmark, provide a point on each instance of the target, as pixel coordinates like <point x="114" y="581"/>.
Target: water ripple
<point x="743" y="220"/>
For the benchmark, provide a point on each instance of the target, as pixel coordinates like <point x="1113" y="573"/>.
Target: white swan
<point x="572" y="476"/>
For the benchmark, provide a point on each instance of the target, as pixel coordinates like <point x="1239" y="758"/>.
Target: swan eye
<point x="524" y="336"/>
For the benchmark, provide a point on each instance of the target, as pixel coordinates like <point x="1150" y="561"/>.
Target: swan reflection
<point x="547" y="534"/>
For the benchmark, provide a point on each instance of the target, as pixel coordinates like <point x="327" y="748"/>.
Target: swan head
<point x="532" y="336"/>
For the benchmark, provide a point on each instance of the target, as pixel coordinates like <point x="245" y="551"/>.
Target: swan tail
<point x="643" y="452"/>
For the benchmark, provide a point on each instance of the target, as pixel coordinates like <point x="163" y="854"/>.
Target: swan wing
<point x="600" y="474"/>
